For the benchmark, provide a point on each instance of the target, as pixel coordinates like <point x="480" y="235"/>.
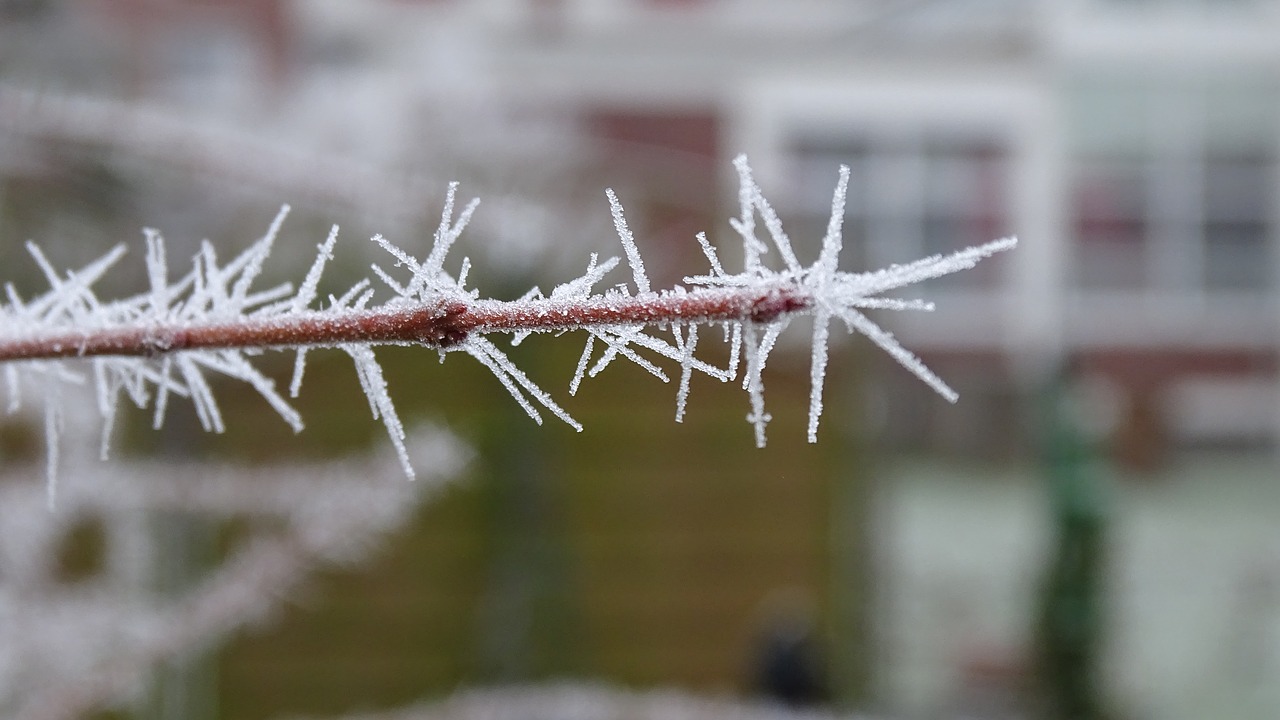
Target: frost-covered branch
<point x="595" y="701"/>
<point x="212" y="319"/>
<point x="70" y="649"/>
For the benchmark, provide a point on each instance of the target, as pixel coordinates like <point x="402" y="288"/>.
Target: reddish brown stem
<point x="442" y="324"/>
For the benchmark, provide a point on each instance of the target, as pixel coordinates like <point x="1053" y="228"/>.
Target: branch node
<point x="778" y="302"/>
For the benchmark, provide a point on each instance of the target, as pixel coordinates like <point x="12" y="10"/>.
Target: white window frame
<point x="1174" y="307"/>
<point x="1019" y="311"/>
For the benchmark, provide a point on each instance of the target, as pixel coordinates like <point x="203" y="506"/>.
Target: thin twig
<point x="439" y="325"/>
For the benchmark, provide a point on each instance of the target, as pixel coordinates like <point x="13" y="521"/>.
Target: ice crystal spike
<point x="168" y="340"/>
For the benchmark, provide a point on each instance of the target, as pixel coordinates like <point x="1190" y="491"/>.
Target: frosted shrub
<point x="69" y="648"/>
<point x="164" y="342"/>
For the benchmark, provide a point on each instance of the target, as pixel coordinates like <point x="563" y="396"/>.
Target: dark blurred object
<point x="788" y="666"/>
<point x="1070" y="622"/>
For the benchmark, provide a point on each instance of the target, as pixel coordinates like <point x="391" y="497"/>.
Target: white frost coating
<point x="162" y="393"/>
<point x="157" y="271"/>
<point x="707" y="249"/>
<point x="466" y="268"/>
<point x="299" y="368"/>
<point x="649" y="342"/>
<point x="435" y="262"/>
<point x="771" y="221"/>
<point x="889" y="344"/>
<point x="390" y="282"/>
<point x="341" y="303"/>
<point x="686" y="346"/>
<point x="824" y="271"/>
<point x="821" y="277"/>
<point x="765" y="346"/>
<point x="755" y="384"/>
<point x="208" y="292"/>
<point x="818" y="369"/>
<point x="580" y="288"/>
<point x="928" y="268"/>
<point x="618" y="345"/>
<point x="15" y="394"/>
<point x="735" y="348"/>
<point x="891" y="304"/>
<point x="628" y="243"/>
<point x="307" y="291"/>
<point x="52" y="433"/>
<point x="582" y="364"/>
<point x="235" y="365"/>
<point x="515" y="380"/>
<point x="201" y="396"/>
<point x="832" y="293"/>
<point x="257" y="255"/>
<point x="105" y="390"/>
<point x="214" y="292"/>
<point x="745" y="223"/>
<point x="375" y="388"/>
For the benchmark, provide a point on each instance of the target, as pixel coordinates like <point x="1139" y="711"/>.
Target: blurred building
<point x="1131" y="145"/>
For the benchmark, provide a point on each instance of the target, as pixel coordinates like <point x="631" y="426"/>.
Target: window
<point x="909" y="196"/>
<point x="1172" y="186"/>
<point x="1238" y="251"/>
<point x="1110" y="222"/>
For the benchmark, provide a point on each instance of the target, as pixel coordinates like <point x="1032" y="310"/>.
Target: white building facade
<point x="1132" y="146"/>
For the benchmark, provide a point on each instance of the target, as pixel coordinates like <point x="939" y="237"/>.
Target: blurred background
<point x="1090" y="532"/>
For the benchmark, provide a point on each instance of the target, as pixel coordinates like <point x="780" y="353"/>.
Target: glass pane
<point x="964" y="179"/>
<point x="1238" y="257"/>
<point x="1238" y="188"/>
<point x="1110" y="224"/>
<point x="815" y="166"/>
<point x="1237" y="199"/>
